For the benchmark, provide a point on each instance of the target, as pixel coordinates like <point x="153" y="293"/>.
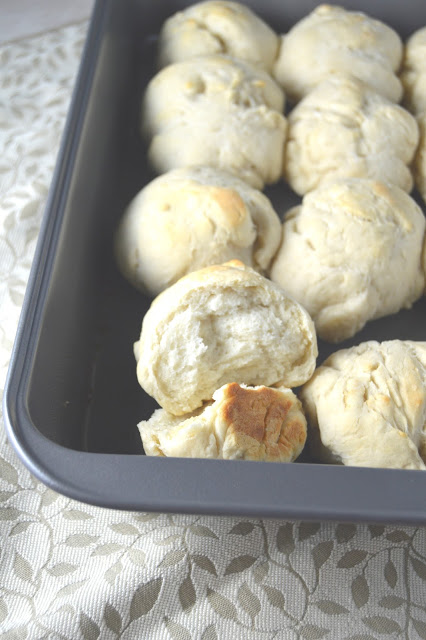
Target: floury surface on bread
<point x="342" y="129"/>
<point x="413" y="72"/>
<point x="216" y="111"/>
<point x="190" y="218"/>
<point x="350" y="253"/>
<point x="366" y="406"/>
<point x="217" y="26"/>
<point x="224" y="323"/>
<point x="333" y="40"/>
<point x="420" y="160"/>
<point x="241" y="423"/>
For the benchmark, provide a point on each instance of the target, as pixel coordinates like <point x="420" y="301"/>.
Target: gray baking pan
<point x="72" y="401"/>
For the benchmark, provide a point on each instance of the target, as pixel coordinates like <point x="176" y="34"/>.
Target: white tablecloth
<point x="68" y="570"/>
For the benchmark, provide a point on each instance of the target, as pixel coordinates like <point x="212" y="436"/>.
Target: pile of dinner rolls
<point x="242" y="290"/>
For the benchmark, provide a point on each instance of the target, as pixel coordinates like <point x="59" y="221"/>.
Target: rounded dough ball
<point x="191" y="218"/>
<point x="344" y="130"/>
<point x="332" y="40"/>
<point x="413" y="73"/>
<point x="243" y="423"/>
<point x="214" y="27"/>
<point x="219" y="112"/>
<point x="224" y="323"/>
<point x="419" y="165"/>
<point x="352" y="253"/>
<point x="366" y="406"/>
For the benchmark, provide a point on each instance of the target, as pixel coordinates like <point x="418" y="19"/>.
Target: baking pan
<point x="72" y="401"/>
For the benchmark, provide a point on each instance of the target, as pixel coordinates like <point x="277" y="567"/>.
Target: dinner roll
<point x="413" y="73"/>
<point x="214" y="27"/>
<point x="343" y="130"/>
<point x="224" y="323"/>
<point x="351" y="253"/>
<point x="366" y="406"/>
<point x="219" y="112"/>
<point x="190" y="218"/>
<point x="333" y="40"/>
<point x="420" y="159"/>
<point x="243" y="423"/>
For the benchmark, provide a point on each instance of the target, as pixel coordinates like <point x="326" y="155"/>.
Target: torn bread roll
<point x="191" y="218"/>
<point x="344" y="130"/>
<point x="333" y="40"/>
<point x="208" y="28"/>
<point x="242" y="423"/>
<point x="224" y="323"/>
<point x="366" y="406"/>
<point x="219" y="112"/>
<point x="413" y="72"/>
<point x="350" y="253"/>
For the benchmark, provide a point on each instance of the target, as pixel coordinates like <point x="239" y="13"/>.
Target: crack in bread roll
<point x="209" y="28"/>
<point x="352" y="253"/>
<point x="366" y="406"/>
<point x="413" y="72"/>
<point x="219" y="112"/>
<point x="191" y="218"/>
<point x="419" y="165"/>
<point x="242" y="423"/>
<point x="344" y="130"/>
<point x="332" y="40"/>
<point x="224" y="323"/>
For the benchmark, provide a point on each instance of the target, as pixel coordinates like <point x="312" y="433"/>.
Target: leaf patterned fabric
<point x="72" y="571"/>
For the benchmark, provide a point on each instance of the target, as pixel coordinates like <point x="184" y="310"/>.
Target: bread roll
<point x="242" y="423"/>
<point x="413" y="73"/>
<point x="419" y="165"/>
<point x="191" y="218"/>
<point x="216" y="111"/>
<point x="333" y="40"/>
<point x="214" y="27"/>
<point x="366" y="406"/>
<point x="352" y="253"/>
<point x="224" y="323"/>
<point x="343" y="130"/>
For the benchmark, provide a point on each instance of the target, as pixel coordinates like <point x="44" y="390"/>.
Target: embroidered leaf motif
<point x="391" y="602"/>
<point x="321" y="553"/>
<point x="19" y="633"/>
<point x="345" y="532"/>
<point x="137" y="557"/>
<point x="205" y="563"/>
<point x="242" y="528"/>
<point x="172" y="558"/>
<point x="111" y="573"/>
<point x="419" y="567"/>
<point x="89" y="628"/>
<point x="382" y="624"/>
<point x="80" y="540"/>
<point x="308" y="529"/>
<point x="3" y="610"/>
<point x="107" y="549"/>
<point x="420" y="627"/>
<point x="69" y="589"/>
<point x="124" y="528"/>
<point x="177" y="631"/>
<point x="391" y="575"/>
<point x="9" y="513"/>
<point x="221" y="605"/>
<point x="112" y="619"/>
<point x="312" y="632"/>
<point x="398" y="536"/>
<point x="20" y="527"/>
<point x="248" y="600"/>
<point x="62" y="569"/>
<point x="147" y="517"/>
<point x="145" y="598"/>
<point x="330" y="607"/>
<point x="285" y="540"/>
<point x="209" y="633"/>
<point x="376" y="530"/>
<point x="49" y="497"/>
<point x="201" y="530"/>
<point x="351" y="559"/>
<point x="22" y="568"/>
<point x="240" y="563"/>
<point x="360" y="591"/>
<point x="260" y="572"/>
<point x="167" y="541"/>
<point x="187" y="594"/>
<point x="8" y="472"/>
<point x="275" y="597"/>
<point x="76" y="514"/>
